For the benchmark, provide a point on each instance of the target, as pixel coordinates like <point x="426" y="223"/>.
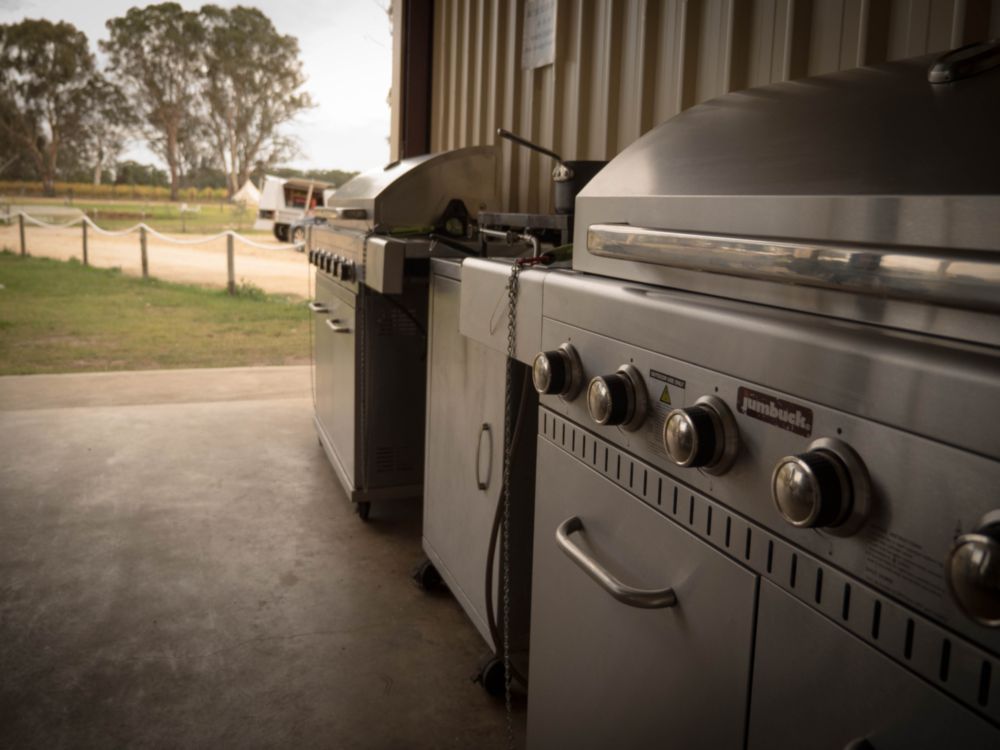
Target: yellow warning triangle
<point x="665" y="396"/>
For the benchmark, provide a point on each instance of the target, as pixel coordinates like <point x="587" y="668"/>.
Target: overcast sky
<point x="346" y="50"/>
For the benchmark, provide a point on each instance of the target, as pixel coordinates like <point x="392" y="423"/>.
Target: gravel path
<point x="280" y="270"/>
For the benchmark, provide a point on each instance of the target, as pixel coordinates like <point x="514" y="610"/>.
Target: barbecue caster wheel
<point x="426" y="576"/>
<point x="364" y="509"/>
<point x="491" y="676"/>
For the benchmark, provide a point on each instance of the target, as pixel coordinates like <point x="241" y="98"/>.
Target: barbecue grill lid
<point x="871" y="155"/>
<point x="412" y="194"/>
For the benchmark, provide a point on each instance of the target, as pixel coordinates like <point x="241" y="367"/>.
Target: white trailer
<point x="284" y="201"/>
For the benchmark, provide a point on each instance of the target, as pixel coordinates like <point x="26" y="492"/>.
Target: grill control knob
<point x="312" y="257"/>
<point x="618" y="399"/>
<point x="325" y="261"/>
<point x="346" y="270"/>
<point x="703" y="435"/>
<point x="812" y="489"/>
<point x="974" y="571"/>
<point x="558" y="372"/>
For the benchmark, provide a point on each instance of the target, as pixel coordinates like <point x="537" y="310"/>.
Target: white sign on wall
<point x="538" y="43"/>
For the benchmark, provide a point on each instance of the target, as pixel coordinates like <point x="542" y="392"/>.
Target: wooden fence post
<point x="20" y="223"/>
<point x="84" y="225"/>
<point x="142" y="247"/>
<point x="230" y="264"/>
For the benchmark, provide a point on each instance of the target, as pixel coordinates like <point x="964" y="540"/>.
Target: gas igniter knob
<point x="826" y="486"/>
<point x="703" y="435"/>
<point x="618" y="399"/>
<point x="558" y="372"/>
<point x="974" y="571"/>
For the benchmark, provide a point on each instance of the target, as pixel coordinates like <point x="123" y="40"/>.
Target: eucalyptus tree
<point x="155" y="53"/>
<point x="252" y="86"/>
<point x="48" y="88"/>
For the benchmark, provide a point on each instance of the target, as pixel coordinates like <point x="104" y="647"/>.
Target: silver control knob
<point x="558" y="372"/>
<point x="703" y="435"/>
<point x="974" y="571"/>
<point x="618" y="399"/>
<point x="812" y="489"/>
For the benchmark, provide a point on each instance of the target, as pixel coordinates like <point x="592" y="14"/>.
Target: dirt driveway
<point x="280" y="270"/>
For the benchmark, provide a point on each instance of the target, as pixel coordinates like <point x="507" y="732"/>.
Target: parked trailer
<point x="284" y="201"/>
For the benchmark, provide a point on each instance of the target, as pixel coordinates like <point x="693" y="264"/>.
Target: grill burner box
<point x="370" y="313"/>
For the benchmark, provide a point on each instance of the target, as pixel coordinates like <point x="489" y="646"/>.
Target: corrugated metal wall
<point x="622" y="66"/>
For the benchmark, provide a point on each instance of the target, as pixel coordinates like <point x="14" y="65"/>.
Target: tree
<point x="156" y="53"/>
<point x="252" y="83"/>
<point x="48" y="84"/>
<point x="105" y="129"/>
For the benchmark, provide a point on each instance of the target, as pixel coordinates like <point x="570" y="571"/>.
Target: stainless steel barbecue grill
<point x="372" y="260"/>
<point x="771" y="518"/>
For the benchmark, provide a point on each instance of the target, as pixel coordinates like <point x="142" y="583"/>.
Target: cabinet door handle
<point x="318" y="307"/>
<point x="336" y="326"/>
<point x="488" y="432"/>
<point x="633" y="597"/>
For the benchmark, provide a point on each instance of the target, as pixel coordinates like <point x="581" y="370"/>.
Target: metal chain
<point x="508" y="449"/>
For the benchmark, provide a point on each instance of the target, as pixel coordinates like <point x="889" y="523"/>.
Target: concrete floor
<point x="179" y="568"/>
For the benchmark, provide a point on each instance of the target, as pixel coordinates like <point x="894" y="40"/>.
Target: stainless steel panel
<point x="604" y="674"/>
<point x="465" y="391"/>
<point x="817" y="687"/>
<point x="910" y="639"/>
<point x="941" y="278"/>
<point x="484" y="306"/>
<point x="924" y="492"/>
<point x="622" y="66"/>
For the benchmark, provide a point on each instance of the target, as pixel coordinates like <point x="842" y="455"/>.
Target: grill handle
<point x="633" y="597"/>
<point x="318" y="307"/>
<point x="336" y="326"/>
<point x="488" y="432"/>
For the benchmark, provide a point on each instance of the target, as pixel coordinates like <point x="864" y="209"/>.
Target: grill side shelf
<point x="942" y="658"/>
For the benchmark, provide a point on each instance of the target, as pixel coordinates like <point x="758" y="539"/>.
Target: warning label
<point x="776" y="411"/>
<point x="901" y="565"/>
<point x="671" y="395"/>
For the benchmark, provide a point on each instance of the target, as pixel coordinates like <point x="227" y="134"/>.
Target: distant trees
<point x="209" y="90"/>
<point x="156" y="54"/>
<point x="53" y="100"/>
<point x="251" y="87"/>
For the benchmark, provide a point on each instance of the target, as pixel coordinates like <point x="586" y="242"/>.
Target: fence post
<point x="230" y="264"/>
<point x="20" y="224"/>
<point x="142" y="247"/>
<point x="84" y="225"/>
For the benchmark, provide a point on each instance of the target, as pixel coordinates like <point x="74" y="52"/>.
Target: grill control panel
<point x="868" y="498"/>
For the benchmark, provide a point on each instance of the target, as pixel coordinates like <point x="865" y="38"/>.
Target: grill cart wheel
<point x="427" y="576"/>
<point x="364" y="510"/>
<point x="490" y="676"/>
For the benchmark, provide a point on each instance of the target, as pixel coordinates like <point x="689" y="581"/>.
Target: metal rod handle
<point x="633" y="597"/>
<point x="524" y="142"/>
<point x="336" y="326"/>
<point x="488" y="431"/>
<point x="318" y="307"/>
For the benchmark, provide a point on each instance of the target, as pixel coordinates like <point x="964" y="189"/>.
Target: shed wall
<point x="622" y="66"/>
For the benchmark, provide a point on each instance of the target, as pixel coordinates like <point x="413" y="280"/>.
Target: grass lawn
<point x="203" y="218"/>
<point x="60" y="316"/>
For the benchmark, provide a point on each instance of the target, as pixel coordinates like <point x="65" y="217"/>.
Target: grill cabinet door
<point x="817" y="687"/>
<point x="607" y="675"/>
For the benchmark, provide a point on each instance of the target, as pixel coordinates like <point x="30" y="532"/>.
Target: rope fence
<point x="144" y="231"/>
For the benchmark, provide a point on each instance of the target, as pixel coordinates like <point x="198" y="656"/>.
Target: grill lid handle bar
<point x="633" y="597"/>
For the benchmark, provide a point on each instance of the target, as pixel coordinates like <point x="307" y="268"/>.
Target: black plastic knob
<point x="611" y="399"/>
<point x="346" y="270"/>
<point x="973" y="572"/>
<point x="812" y="489"/>
<point x="550" y="372"/>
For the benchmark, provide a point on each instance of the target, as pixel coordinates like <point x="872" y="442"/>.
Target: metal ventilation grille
<point x="944" y="659"/>
<point x="390" y="459"/>
<point x="394" y="322"/>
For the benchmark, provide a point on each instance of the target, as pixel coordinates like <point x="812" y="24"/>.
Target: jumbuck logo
<point x="776" y="411"/>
